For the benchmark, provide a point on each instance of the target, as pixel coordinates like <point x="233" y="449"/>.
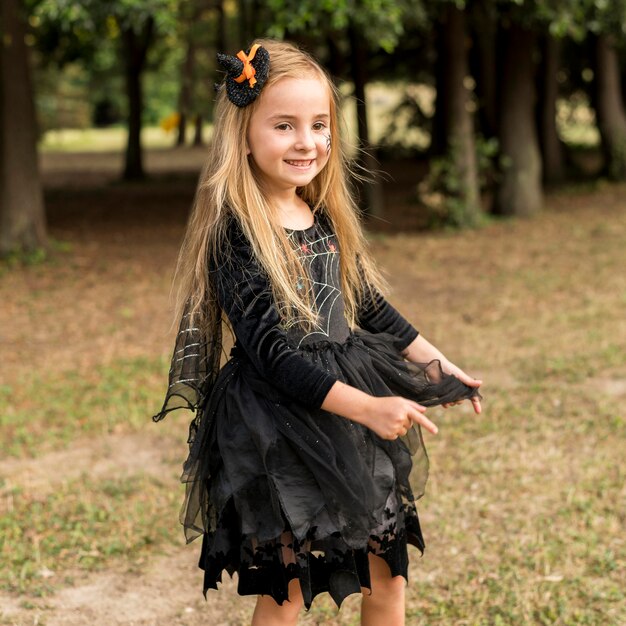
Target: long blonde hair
<point x="229" y="187"/>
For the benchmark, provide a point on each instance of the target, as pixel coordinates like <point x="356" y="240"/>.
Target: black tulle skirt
<point x="279" y="491"/>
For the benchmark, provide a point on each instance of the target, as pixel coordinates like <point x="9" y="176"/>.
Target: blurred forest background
<point x="495" y="99"/>
<point x="494" y="132"/>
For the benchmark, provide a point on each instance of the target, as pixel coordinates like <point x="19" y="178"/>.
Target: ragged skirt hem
<point x="320" y="564"/>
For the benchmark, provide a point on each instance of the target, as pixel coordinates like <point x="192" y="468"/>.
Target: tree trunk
<point x="221" y="39"/>
<point x="197" y="135"/>
<point x="484" y="66"/>
<point x="190" y="16"/>
<point x="371" y="191"/>
<point x="461" y="147"/>
<point x="610" y="108"/>
<point x="135" y="50"/>
<point x="520" y="192"/>
<point x="247" y="27"/>
<point x="623" y="83"/>
<point x="186" y="85"/>
<point x="181" y="136"/>
<point x="439" y="131"/>
<point x="22" y="215"/>
<point x="551" y="146"/>
<point x="336" y="59"/>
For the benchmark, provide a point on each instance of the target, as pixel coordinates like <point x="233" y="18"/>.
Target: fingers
<point x="416" y="406"/>
<point x="463" y="377"/>
<point x="405" y="427"/>
<point x="476" y="404"/>
<point x="449" y="404"/>
<point x="401" y="415"/>
<point x="468" y="380"/>
<point x="422" y="420"/>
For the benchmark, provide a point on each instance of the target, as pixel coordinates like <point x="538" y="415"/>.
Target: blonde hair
<point x="229" y="187"/>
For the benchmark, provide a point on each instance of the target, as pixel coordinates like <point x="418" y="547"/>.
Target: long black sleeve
<point x="376" y="315"/>
<point x="246" y="297"/>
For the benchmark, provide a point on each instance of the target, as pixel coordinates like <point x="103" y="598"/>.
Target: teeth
<point x="300" y="163"/>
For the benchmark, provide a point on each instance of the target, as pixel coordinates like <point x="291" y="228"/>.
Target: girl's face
<point x="289" y="133"/>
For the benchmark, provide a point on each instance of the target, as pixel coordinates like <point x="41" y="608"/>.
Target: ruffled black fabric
<point x="279" y="488"/>
<point x="275" y="474"/>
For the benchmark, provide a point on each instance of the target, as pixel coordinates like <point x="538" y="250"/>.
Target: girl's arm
<point x="376" y="315"/>
<point x="422" y="351"/>
<point x="388" y="417"/>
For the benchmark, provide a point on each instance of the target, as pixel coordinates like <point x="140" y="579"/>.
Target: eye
<point x="319" y="126"/>
<point x="283" y="126"/>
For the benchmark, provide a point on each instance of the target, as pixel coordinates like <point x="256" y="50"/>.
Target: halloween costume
<point x="277" y="487"/>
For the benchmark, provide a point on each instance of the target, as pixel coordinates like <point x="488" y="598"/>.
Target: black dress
<point x="277" y="487"/>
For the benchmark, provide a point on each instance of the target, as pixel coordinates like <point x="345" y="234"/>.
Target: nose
<point x="304" y="140"/>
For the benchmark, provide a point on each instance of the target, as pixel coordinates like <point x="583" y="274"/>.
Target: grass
<point x="525" y="519"/>
<point x="103" y="139"/>
<point x="81" y="526"/>
<point x="50" y="411"/>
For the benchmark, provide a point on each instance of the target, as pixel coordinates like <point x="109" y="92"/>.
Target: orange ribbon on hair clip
<point x="248" y="71"/>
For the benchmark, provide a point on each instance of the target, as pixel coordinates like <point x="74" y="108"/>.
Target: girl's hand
<point x="392" y="417"/>
<point x="389" y="417"/>
<point x="422" y="351"/>
<point x="451" y="368"/>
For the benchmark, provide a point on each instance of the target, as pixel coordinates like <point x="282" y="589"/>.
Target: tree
<point x="134" y="25"/>
<point x="520" y="191"/>
<point x="22" y="216"/>
<point x="483" y="27"/>
<point x="192" y="26"/>
<point x="456" y="136"/>
<point x="203" y="30"/>
<point x="521" y="27"/>
<point x="136" y="39"/>
<point x="186" y="87"/>
<point x="371" y="191"/>
<point x="551" y="147"/>
<point x="607" y="21"/>
<point x="609" y="105"/>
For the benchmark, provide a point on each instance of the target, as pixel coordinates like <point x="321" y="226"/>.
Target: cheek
<point x="323" y="156"/>
<point x="270" y="146"/>
<point x="322" y="147"/>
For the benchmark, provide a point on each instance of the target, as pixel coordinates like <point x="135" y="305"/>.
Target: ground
<point x="521" y="516"/>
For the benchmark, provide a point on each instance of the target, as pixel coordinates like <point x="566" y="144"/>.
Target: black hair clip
<point x="246" y="74"/>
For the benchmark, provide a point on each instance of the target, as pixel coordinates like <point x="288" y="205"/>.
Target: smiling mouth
<point x="302" y="164"/>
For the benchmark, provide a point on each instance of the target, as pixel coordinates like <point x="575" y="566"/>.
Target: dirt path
<point x="159" y="589"/>
<point x="165" y="591"/>
<point x="109" y="456"/>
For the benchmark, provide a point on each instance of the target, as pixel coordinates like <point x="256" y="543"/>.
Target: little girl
<point x="302" y="443"/>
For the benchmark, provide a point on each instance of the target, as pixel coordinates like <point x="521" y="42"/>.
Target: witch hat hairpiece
<point x="245" y="74"/>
